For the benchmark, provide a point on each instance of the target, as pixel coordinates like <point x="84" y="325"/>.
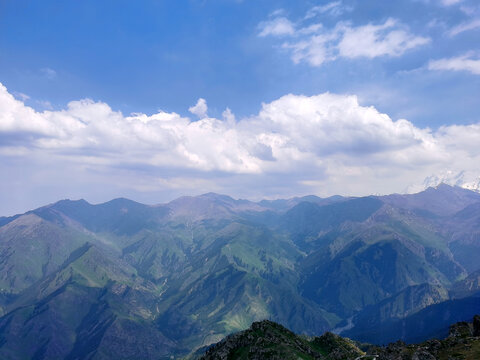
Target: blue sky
<point x="74" y="72"/>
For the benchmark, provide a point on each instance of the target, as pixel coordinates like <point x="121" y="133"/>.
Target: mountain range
<point x="125" y="280"/>
<point x="268" y="340"/>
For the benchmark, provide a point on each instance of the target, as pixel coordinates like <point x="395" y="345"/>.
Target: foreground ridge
<point x="269" y="340"/>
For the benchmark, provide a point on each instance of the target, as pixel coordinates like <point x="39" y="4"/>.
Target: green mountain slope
<point x="31" y="248"/>
<point x="93" y="307"/>
<point x="399" y="306"/>
<point x="83" y="278"/>
<point x="233" y="282"/>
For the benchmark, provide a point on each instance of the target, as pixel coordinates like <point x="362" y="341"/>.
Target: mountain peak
<point x="215" y="196"/>
<point x="267" y="339"/>
<point x="69" y="202"/>
<point x="443" y="185"/>
<point x="441" y="199"/>
<point x="464" y="179"/>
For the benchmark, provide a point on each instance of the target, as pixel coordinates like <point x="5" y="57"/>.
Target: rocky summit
<point x="268" y="340"/>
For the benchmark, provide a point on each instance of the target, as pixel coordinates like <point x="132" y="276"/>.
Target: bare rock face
<point x="337" y="347"/>
<point x="476" y="325"/>
<point x="268" y="340"/>
<point x="460" y="330"/>
<point x="422" y="355"/>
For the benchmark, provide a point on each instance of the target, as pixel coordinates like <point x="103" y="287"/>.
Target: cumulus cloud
<point x="323" y="144"/>
<point x="200" y="108"/>
<point x="316" y="44"/>
<point x="460" y="63"/>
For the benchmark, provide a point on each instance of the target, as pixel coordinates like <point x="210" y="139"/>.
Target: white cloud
<point x="228" y="116"/>
<point x="334" y="8"/>
<point x="316" y="44"/>
<point x="45" y="104"/>
<point x="279" y="26"/>
<point x="468" y="10"/>
<point x="16" y="117"/>
<point x="49" y="73"/>
<point x="445" y="3"/>
<point x="450" y="2"/>
<point x="277" y="13"/>
<point x="23" y="97"/>
<point x="466" y="26"/>
<point x="387" y="39"/>
<point x="323" y="144"/>
<point x="200" y="108"/>
<point x="315" y="50"/>
<point x="329" y="124"/>
<point x="460" y="63"/>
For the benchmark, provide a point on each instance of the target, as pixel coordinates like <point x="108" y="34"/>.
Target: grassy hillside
<point x="187" y="273"/>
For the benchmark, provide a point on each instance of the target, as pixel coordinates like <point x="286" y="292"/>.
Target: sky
<point x="151" y="99"/>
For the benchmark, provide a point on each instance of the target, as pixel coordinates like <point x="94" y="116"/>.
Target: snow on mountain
<point x="464" y="179"/>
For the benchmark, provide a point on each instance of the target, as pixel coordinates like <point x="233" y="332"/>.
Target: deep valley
<point x="123" y="280"/>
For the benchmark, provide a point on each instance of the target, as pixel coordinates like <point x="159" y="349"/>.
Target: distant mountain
<point x="441" y="200"/>
<point x="32" y="248"/>
<point x="93" y="306"/>
<point x="286" y="204"/>
<point x="431" y="322"/>
<point x="83" y="281"/>
<point x="466" y="287"/>
<point x="465" y="179"/>
<point x="406" y="302"/>
<point x="210" y="206"/>
<point x="417" y="313"/>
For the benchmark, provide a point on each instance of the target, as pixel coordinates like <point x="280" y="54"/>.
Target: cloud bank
<point x="323" y="144"/>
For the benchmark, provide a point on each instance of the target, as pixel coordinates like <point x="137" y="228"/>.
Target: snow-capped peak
<point x="464" y="179"/>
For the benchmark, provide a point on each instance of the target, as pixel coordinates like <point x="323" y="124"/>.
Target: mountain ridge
<point x="268" y="340"/>
<point x="194" y="270"/>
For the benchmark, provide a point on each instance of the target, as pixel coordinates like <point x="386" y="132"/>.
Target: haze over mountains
<point x="123" y="280"/>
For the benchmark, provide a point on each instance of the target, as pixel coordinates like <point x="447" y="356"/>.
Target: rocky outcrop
<point x="337" y="347"/>
<point x="476" y="325"/>
<point x="463" y="342"/>
<point x="268" y="340"/>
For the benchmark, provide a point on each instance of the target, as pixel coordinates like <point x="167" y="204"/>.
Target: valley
<point x="129" y="280"/>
